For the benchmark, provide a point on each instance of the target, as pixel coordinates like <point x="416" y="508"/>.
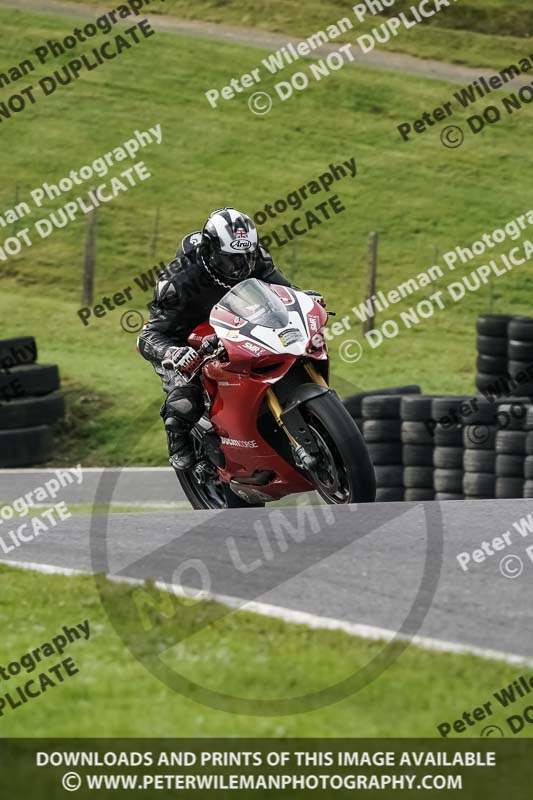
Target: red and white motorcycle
<point x="272" y="426"/>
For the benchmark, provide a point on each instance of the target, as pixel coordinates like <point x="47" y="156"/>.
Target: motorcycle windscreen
<point x="255" y="302"/>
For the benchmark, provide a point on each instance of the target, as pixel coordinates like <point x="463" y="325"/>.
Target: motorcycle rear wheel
<point x="344" y="473"/>
<point x="213" y="494"/>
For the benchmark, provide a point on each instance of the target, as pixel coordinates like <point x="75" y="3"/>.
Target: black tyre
<point x="479" y="437"/>
<point x="493" y="384"/>
<point x="212" y="493"/>
<point x="492" y="345"/>
<point x="509" y="466"/>
<point x="524" y="369"/>
<point x="417" y="455"/>
<point x="27" y="380"/>
<point x="528" y="489"/>
<point x="32" y="411"/>
<point x="416" y="408"/>
<point x="382" y="407"/>
<point x="389" y="494"/>
<point x="389" y="475"/>
<point x="512" y="416"/>
<point x="521" y="328"/>
<point x="448" y="481"/>
<point x="520" y="351"/>
<point x="508" y="488"/>
<point x="478" y="410"/>
<point x="418" y="495"/>
<point x="345" y="473"/>
<point x="448" y="457"/>
<point x="479" y="461"/>
<point x="493" y="365"/>
<point x="529" y="444"/>
<point x="382" y="430"/>
<point x="16" y="351"/>
<point x="512" y="442"/>
<point x="448" y="436"/>
<point x="24" y="448"/>
<point x="448" y="407"/>
<point x="354" y="403"/>
<point x="382" y="453"/>
<point x="493" y="324"/>
<point x="528" y="468"/>
<point x="479" y="485"/>
<point x="417" y="433"/>
<point x="449" y="496"/>
<point x="418" y="477"/>
<point x="528" y="424"/>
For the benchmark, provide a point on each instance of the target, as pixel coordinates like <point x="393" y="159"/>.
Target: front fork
<point x="292" y="423"/>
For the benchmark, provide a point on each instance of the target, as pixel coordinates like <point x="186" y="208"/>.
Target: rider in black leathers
<point x="206" y="266"/>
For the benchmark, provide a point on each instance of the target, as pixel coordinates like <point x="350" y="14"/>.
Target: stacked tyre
<point x="528" y="461"/>
<point x="479" y="440"/>
<point x="417" y="454"/>
<point x="382" y="433"/>
<point x="492" y="347"/>
<point x="354" y="403"/>
<point x="449" y="449"/>
<point x="30" y="403"/>
<point x="520" y="354"/>
<point x="511" y="439"/>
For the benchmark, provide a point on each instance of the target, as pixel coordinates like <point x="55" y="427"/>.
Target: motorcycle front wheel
<point x="344" y="472"/>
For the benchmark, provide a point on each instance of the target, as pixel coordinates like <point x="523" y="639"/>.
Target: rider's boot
<point x="180" y="447"/>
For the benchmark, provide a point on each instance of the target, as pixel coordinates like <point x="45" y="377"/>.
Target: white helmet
<point x="230" y="245"/>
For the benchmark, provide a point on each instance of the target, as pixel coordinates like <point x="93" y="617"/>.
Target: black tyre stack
<point x="479" y="440"/>
<point x="511" y="436"/>
<point x="528" y="461"/>
<point x="30" y="403"/>
<point x="417" y="454"/>
<point x="382" y="434"/>
<point x="520" y="353"/>
<point x="492" y="347"/>
<point x="449" y="448"/>
<point x="354" y="403"/>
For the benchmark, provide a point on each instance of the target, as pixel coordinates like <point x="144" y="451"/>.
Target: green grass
<point x="422" y="198"/>
<point x="472" y="33"/>
<point x="241" y="654"/>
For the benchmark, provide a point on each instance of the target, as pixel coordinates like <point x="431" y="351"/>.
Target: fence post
<point x="89" y="263"/>
<point x="368" y="324"/>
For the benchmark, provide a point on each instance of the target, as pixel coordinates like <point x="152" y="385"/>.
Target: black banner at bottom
<point x="266" y="768"/>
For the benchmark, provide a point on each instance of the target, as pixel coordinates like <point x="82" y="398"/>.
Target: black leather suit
<point x="183" y="298"/>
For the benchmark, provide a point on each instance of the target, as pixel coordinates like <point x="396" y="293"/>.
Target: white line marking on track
<point x="294" y="617"/>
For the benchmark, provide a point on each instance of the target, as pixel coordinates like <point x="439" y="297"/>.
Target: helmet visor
<point x="235" y="267"/>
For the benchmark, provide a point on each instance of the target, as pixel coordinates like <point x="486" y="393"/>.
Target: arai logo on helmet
<point x="241" y="242"/>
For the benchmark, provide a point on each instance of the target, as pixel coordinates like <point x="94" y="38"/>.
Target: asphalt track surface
<point x="376" y="565"/>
